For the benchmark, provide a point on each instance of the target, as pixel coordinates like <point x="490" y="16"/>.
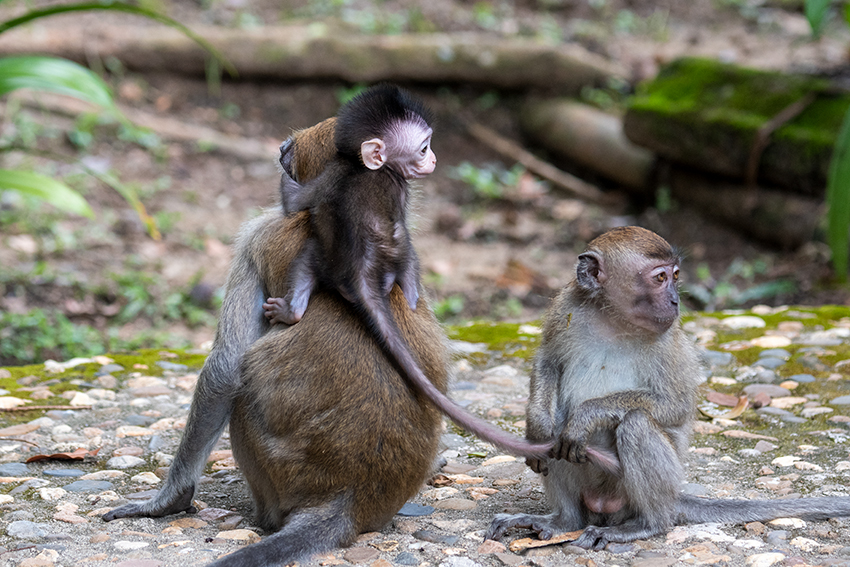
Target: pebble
<point x="743" y="322"/>
<point x="124" y="462"/>
<point x="88" y="486"/>
<point x="23" y="529"/>
<point x="64" y="472"/>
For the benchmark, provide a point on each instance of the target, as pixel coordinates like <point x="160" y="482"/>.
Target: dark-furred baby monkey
<point x="358" y="205"/>
<point x="361" y="245"/>
<point x="615" y="373"/>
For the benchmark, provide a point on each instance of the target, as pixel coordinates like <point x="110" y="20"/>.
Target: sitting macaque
<point x="615" y="384"/>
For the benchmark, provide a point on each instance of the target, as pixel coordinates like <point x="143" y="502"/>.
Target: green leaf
<point x="838" y="200"/>
<point x="54" y="75"/>
<point x="48" y="190"/>
<point x="817" y="13"/>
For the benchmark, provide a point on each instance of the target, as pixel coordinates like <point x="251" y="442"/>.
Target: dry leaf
<point x="530" y="543"/>
<point x="78" y="455"/>
<point x="740" y="407"/>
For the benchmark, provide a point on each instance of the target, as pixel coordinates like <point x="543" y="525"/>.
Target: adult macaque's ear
<point x="374" y="153"/>
<point x="590" y="271"/>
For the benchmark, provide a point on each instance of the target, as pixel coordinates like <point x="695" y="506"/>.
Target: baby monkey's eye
<point x="424" y="150"/>
<point x="675" y="275"/>
<point x="661" y="277"/>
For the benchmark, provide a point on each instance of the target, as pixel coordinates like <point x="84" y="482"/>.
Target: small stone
<point x="193" y="523"/>
<point x="717" y="358"/>
<point x="771" y="342"/>
<point x="23" y="529"/>
<point x="411" y="509"/>
<point x="743" y="322"/>
<point x="174" y="367"/>
<point x="99" y="538"/>
<point x="455" y="504"/>
<point x="88" y="486"/>
<point x="64" y="472"/>
<point x="491" y="546"/>
<point x="794" y="523"/>
<point x="770" y="363"/>
<point x="434" y="537"/>
<point x="46" y="558"/>
<point x="81" y="399"/>
<point x="406" y="558"/>
<point x="146" y="478"/>
<point x="132" y="431"/>
<point x="124" y="462"/>
<point x="231" y="523"/>
<point x="239" y="535"/>
<point x="13" y="469"/>
<point x="51" y="494"/>
<point x="804" y="544"/>
<point x="130" y="545"/>
<point x="802" y="378"/>
<point x="441" y="493"/>
<point x="841" y="401"/>
<point x="771" y="390"/>
<point x="812" y="412"/>
<point x="764" y="446"/>
<point x="787" y="402"/>
<point x="128" y="452"/>
<point x="102" y="475"/>
<point x="785" y="461"/>
<point x="763" y="559"/>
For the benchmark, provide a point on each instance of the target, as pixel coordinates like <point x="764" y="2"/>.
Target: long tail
<point x="378" y="314"/>
<point x="692" y="510"/>
<point x="307" y="532"/>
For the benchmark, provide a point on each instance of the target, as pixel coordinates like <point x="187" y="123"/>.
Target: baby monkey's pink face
<point x="422" y="160"/>
<point x="409" y="148"/>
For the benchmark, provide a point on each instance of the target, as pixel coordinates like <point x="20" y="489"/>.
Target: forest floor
<point x="482" y="256"/>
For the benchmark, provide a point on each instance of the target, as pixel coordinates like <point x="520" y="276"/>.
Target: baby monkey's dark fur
<point x="615" y="371"/>
<point x="361" y="245"/>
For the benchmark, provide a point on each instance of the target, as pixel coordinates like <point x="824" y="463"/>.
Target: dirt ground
<point x="482" y="257"/>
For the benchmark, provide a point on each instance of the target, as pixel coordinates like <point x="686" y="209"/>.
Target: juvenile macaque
<point x="358" y="206"/>
<point x="360" y="244"/>
<point x="616" y="375"/>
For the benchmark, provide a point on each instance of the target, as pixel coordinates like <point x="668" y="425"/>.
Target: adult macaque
<point x="360" y="243"/>
<point x="616" y="375"/>
<point x="241" y="323"/>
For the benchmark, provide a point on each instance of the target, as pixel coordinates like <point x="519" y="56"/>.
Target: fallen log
<point x="589" y="137"/>
<point x="774" y="128"/>
<point x="770" y="215"/>
<point x="319" y="51"/>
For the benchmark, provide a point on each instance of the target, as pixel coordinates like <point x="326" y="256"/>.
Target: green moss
<point x="707" y="113"/>
<point x="503" y="337"/>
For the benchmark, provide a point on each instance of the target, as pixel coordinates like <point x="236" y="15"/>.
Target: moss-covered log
<point x="318" y="51"/>
<point x="708" y="114"/>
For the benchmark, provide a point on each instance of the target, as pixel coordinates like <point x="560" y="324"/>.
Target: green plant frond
<point x="54" y="75"/>
<point x="45" y="188"/>
<point x="838" y="200"/>
<point x="115" y="6"/>
<point x="817" y="14"/>
<point x="132" y="199"/>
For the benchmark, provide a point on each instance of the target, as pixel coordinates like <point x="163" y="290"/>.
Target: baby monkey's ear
<point x="373" y="153"/>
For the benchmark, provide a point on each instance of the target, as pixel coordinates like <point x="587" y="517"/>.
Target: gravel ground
<point x="795" y="445"/>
